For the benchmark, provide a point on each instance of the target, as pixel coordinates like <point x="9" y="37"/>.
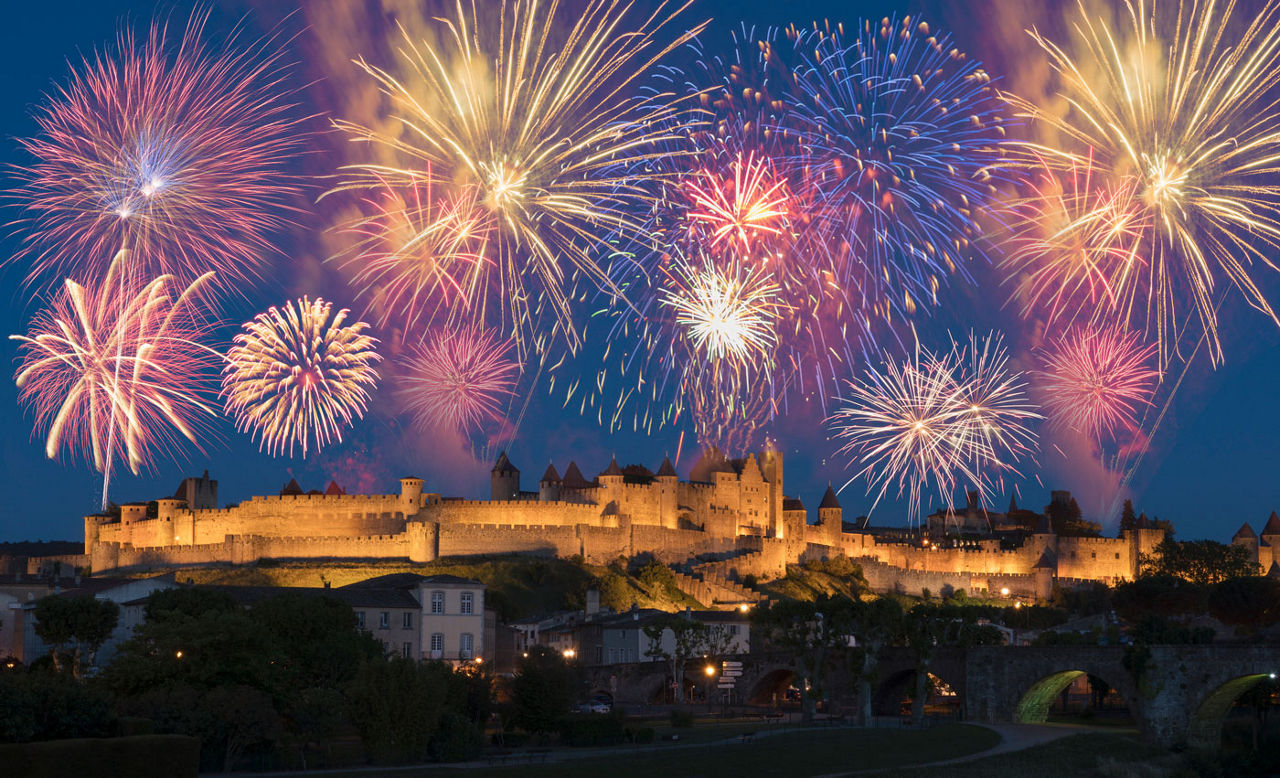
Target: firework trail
<point x="1097" y="380"/>
<point x="460" y="380"/>
<point x="937" y="422"/>
<point x="903" y="144"/>
<point x="723" y="311"/>
<point x="299" y="375"/>
<point x="1175" y="102"/>
<point x="176" y="150"/>
<point x="114" y="371"/>
<point x="536" y="127"/>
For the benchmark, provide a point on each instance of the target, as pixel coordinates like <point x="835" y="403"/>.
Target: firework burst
<point x="299" y="375"/>
<point x="724" y="311"/>
<point x="902" y="145"/>
<point x="750" y="205"/>
<point x="460" y="379"/>
<point x="417" y="254"/>
<point x="176" y="150"/>
<point x="1096" y="380"/>
<point x="114" y="371"/>
<point x="536" y="127"/>
<point x="1177" y="104"/>
<point x="937" y="422"/>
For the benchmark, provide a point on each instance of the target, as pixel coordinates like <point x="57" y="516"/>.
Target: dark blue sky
<point x="1212" y="465"/>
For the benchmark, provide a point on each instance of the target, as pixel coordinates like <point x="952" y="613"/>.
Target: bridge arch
<point x="1033" y="705"/>
<point x="889" y="694"/>
<point x="771" y="686"/>
<point x="1205" y="730"/>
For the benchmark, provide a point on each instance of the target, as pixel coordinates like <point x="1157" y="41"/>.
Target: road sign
<point x="731" y="674"/>
<point x="727" y="665"/>
<point x="726" y="684"/>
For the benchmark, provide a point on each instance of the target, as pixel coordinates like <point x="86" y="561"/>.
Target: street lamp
<point x="710" y="671"/>
<point x="1004" y="591"/>
<point x="569" y="653"/>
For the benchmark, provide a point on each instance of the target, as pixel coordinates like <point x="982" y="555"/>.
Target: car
<point x="594" y="706"/>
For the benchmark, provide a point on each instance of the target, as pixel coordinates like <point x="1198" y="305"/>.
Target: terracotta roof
<point x="333" y="489"/>
<point x="666" y="469"/>
<point x="1273" y="525"/>
<point x="550" y="476"/>
<point x="829" y="500"/>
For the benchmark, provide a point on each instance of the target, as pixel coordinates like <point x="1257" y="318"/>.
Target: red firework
<point x="750" y="206"/>
<point x="175" y="150"/>
<point x="460" y="379"/>
<point x="1097" y="379"/>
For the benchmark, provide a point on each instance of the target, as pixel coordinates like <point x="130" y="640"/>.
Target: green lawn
<point x="1084" y="755"/>
<point x="783" y="753"/>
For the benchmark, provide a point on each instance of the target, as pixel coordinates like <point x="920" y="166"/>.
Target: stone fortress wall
<point x="728" y="521"/>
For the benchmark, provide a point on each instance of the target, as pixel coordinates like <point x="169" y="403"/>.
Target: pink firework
<point x="1097" y="379"/>
<point x="175" y="150"/>
<point x="417" y="253"/>
<point x="115" y="371"/>
<point x="460" y="379"/>
<point x="750" y="206"/>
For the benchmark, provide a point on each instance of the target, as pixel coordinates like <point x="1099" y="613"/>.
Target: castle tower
<point x="611" y="485"/>
<point x="169" y="524"/>
<point x="549" y="486"/>
<point x="504" y="480"/>
<point x="771" y="468"/>
<point x="199" y="494"/>
<point x="1143" y="539"/>
<point x="1269" y="547"/>
<point x="1246" y="537"/>
<point x="410" y="495"/>
<point x="831" y="517"/>
<point x="668" y="495"/>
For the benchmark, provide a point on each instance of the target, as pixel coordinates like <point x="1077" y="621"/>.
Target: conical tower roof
<point x="550" y="476"/>
<point x="503" y="465"/>
<point x="1245" y="531"/>
<point x="666" y="469"/>
<point x="573" y="477"/>
<point x="829" y="500"/>
<point x="613" y="468"/>
<point x="1273" y="525"/>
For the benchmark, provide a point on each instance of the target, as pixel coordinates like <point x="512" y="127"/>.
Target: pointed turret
<point x="333" y="490"/>
<point x="666" y="471"/>
<point x="503" y="465"/>
<point x="549" y="485"/>
<point x="550" y="476"/>
<point x="1245" y="533"/>
<point x="504" y="479"/>
<point x="829" y="500"/>
<point x="613" y="468"/>
<point x="291" y="489"/>
<point x="573" y="478"/>
<point x="1013" y="505"/>
<point x="1273" y="525"/>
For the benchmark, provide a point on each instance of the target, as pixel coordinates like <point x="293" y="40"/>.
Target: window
<point x="407" y="650"/>
<point x="1117" y="555"/>
<point x="466" y="645"/>
<point x="437" y="642"/>
<point x="384" y="620"/>
<point x="1094" y="555"/>
<point x="408" y="620"/>
<point x="360" y="619"/>
<point x="733" y="629"/>
<point x="437" y="602"/>
<point x="599" y="655"/>
<point x="466" y="602"/>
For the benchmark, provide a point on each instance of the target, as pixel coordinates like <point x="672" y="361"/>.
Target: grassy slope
<point x="519" y="586"/>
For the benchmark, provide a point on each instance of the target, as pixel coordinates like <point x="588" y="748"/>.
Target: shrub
<point x="457" y="739"/>
<point x="682" y="719"/>
<point x="42" y="706"/>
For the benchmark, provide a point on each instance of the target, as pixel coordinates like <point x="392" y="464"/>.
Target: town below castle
<point x="730" y="520"/>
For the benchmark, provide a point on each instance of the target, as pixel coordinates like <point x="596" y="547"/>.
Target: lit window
<point x="437" y="642"/>
<point x="437" y="602"/>
<point x="408" y="620"/>
<point x="466" y="602"/>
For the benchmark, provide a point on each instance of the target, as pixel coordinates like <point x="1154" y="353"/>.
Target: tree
<point x="689" y="639"/>
<point x="1165" y="596"/>
<point x="396" y="704"/>
<point x="1250" y="602"/>
<point x="542" y="690"/>
<point x="1202" y="562"/>
<point x="1127" y="518"/>
<point x="83" y="621"/>
<point x="1068" y="521"/>
<point x="806" y="631"/>
<point x="315" y="641"/>
<point x="875" y="625"/>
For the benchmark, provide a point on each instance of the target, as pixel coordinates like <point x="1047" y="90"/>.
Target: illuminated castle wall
<point x="730" y="511"/>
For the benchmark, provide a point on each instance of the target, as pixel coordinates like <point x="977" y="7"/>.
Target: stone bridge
<point x="1178" y="695"/>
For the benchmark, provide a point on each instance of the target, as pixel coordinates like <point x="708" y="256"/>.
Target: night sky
<point x="1212" y="464"/>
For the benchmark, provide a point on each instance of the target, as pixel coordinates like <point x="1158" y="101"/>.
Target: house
<point x="623" y="637"/>
<point x="427" y="617"/>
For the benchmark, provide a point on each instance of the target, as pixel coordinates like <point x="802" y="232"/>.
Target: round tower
<point x="549" y="486"/>
<point x="410" y="495"/>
